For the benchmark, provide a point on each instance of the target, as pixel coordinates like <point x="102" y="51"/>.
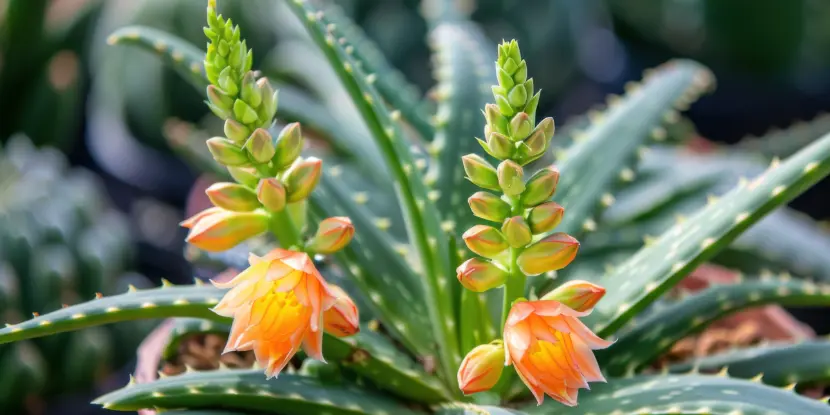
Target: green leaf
<point x="781" y="364"/>
<point x="186" y="327"/>
<point x="685" y="395"/>
<point x="422" y="217"/>
<point x="783" y="143"/>
<point x="604" y="154"/>
<point x="470" y="409"/>
<point x="657" y="331"/>
<point x="657" y="267"/>
<point x="249" y="390"/>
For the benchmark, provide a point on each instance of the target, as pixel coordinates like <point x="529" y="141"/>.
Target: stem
<point x="283" y="228"/>
<point x="515" y="286"/>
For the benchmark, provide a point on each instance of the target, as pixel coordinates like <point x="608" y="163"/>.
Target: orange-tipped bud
<point x="488" y="206"/>
<point x="217" y="229"/>
<point x="232" y="196"/>
<point x="485" y="241"/>
<point x="332" y="235"/>
<point x="480" y="275"/>
<point x="289" y="146"/>
<point x="236" y="131"/>
<point x="541" y="186"/>
<point x="517" y="232"/>
<point x="511" y="178"/>
<point x="495" y="120"/>
<point x="545" y="217"/>
<point x="271" y="193"/>
<point x="549" y="254"/>
<point x="303" y="177"/>
<point x="480" y="172"/>
<point x="520" y="127"/>
<point x="578" y="295"/>
<point x="532" y="148"/>
<point x="342" y="319"/>
<point x="481" y="368"/>
<point x="261" y="146"/>
<point x="226" y="152"/>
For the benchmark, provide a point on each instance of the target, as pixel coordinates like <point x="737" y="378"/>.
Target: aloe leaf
<point x="604" y="154"/>
<point x="658" y="331"/>
<point x="785" y="142"/>
<point x="470" y="409"/>
<point x="249" y="390"/>
<point x="657" y="267"/>
<point x="420" y="214"/>
<point x="781" y="364"/>
<point x="186" y="327"/>
<point x="685" y="395"/>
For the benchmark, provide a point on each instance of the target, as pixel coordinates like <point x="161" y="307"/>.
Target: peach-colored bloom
<point x="481" y="368"/>
<point x="551" y="349"/>
<point x="277" y="305"/>
<point x="342" y="319"/>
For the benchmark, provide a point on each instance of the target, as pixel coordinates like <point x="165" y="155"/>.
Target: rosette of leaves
<point x="60" y="243"/>
<point x="404" y="189"/>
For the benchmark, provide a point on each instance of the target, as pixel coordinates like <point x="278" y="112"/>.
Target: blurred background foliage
<point x="121" y="114"/>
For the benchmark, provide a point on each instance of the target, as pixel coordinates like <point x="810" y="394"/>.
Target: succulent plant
<point x="60" y="243"/>
<point x="558" y="242"/>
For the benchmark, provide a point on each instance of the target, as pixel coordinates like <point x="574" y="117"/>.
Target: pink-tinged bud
<point x="271" y="193"/>
<point x="480" y="275"/>
<point x="480" y="172"/>
<point x="232" y="196"/>
<point x="547" y="127"/>
<point x="549" y="254"/>
<point x="332" y="235"/>
<point x="342" y="319"/>
<point x="517" y="232"/>
<point x="190" y="222"/>
<point x="219" y="98"/>
<point x="578" y="295"/>
<point x="500" y="146"/>
<point x="545" y="217"/>
<point x="481" y="368"/>
<point x="226" y="152"/>
<point x="220" y="229"/>
<point x="303" y="177"/>
<point x="289" y="146"/>
<point x="237" y="132"/>
<point x="244" y="175"/>
<point x="488" y="206"/>
<point x="520" y="127"/>
<point x="261" y="146"/>
<point x="485" y="241"/>
<point x="541" y="186"/>
<point x="511" y="178"/>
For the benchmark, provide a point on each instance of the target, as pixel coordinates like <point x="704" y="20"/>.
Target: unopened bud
<point x="511" y="178"/>
<point x="250" y="93"/>
<point x="289" y="146"/>
<point x="271" y="193"/>
<point x="541" y="186"/>
<point x="342" y="319"/>
<point x="517" y="232"/>
<point x="219" y="98"/>
<point x="577" y="295"/>
<point x="480" y="275"/>
<point x="488" y="206"/>
<point x="545" y="217"/>
<point x="549" y="254"/>
<point x="226" y="152"/>
<point x="333" y="234"/>
<point x="547" y="127"/>
<point x="269" y="100"/>
<point x="505" y="79"/>
<point x="244" y="113"/>
<point x="504" y="105"/>
<point x="532" y="103"/>
<point x="500" y="146"/>
<point x="485" y="241"/>
<point x="520" y="127"/>
<point x="301" y="180"/>
<point x="244" y="175"/>
<point x="237" y="132"/>
<point x="517" y="97"/>
<point x="226" y="81"/>
<point x="532" y="148"/>
<point x="222" y="229"/>
<point x="480" y="172"/>
<point x="261" y="146"/>
<point x="495" y="119"/>
<point x="481" y="368"/>
<point x="232" y="196"/>
<point x="521" y="73"/>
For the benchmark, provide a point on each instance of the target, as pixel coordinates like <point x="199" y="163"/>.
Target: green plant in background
<point x="59" y="244"/>
<point x="405" y="248"/>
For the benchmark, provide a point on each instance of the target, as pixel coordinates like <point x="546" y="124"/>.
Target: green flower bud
<point x="232" y="196"/>
<point x="302" y="178"/>
<point x="504" y="106"/>
<point x="250" y="92"/>
<point x="260" y="146"/>
<point x="495" y="120"/>
<point x="517" y="232"/>
<point x="511" y="178"/>
<point x="219" y="98"/>
<point x="517" y="97"/>
<point x="532" y="103"/>
<point x="488" y="206"/>
<point x="271" y="193"/>
<point x="532" y="148"/>
<point x="485" y="241"/>
<point x="226" y="80"/>
<point x="244" y="113"/>
<point x="545" y="217"/>
<point x="510" y="66"/>
<point x="500" y="146"/>
<point x="513" y="51"/>
<point x="237" y="132"/>
<point x="541" y="186"/>
<point x="224" y="48"/>
<point x="520" y="127"/>
<point x="269" y="100"/>
<point x="244" y="175"/>
<point x="521" y="73"/>
<point x="226" y="152"/>
<point x="547" y="127"/>
<point x="549" y="254"/>
<point x="504" y="78"/>
<point x="289" y="146"/>
<point x="480" y="172"/>
<point x="479" y="275"/>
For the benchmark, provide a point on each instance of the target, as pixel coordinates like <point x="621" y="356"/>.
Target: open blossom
<point x="277" y="306"/>
<point x="551" y="349"/>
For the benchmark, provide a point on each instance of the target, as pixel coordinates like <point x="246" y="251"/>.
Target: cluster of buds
<point x="523" y="209"/>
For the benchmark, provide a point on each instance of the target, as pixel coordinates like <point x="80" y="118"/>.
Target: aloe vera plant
<point x="402" y="210"/>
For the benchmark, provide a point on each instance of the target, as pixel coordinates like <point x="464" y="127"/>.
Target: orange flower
<point x="342" y="319"/>
<point x="277" y="305"/>
<point x="551" y="349"/>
